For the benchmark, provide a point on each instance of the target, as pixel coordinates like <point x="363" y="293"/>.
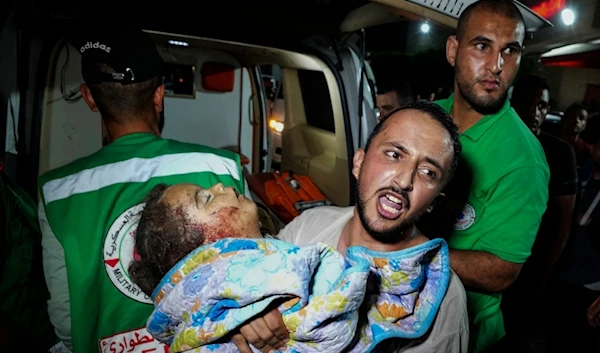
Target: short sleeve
<point x="512" y="214"/>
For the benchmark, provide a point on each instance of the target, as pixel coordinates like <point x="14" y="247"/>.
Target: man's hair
<point x="573" y="108"/>
<point x="404" y="92"/>
<point x="504" y="8"/>
<point x="528" y="84"/>
<point x="438" y="114"/>
<point x="123" y="103"/>
<point x="163" y="237"/>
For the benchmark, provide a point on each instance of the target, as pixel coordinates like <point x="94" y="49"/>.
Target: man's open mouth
<point x="391" y="205"/>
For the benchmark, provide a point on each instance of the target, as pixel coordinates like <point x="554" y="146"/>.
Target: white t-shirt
<point x="450" y="331"/>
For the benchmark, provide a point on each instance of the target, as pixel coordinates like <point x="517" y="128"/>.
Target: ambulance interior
<point x="225" y="106"/>
<point x="216" y="96"/>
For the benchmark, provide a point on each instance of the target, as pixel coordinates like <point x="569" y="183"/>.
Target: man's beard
<point x="486" y="105"/>
<point x="390" y="235"/>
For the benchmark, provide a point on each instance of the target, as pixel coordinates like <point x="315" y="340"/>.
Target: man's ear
<point x="357" y="161"/>
<point x="435" y="202"/>
<point x="158" y="100"/>
<point x="87" y="97"/>
<point x="451" y="49"/>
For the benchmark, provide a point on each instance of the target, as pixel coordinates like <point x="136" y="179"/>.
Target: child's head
<point x="177" y="219"/>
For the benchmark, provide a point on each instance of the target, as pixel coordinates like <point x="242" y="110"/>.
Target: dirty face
<point x="217" y="212"/>
<point x="486" y="59"/>
<point x="402" y="173"/>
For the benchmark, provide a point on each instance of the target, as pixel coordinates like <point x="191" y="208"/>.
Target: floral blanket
<point x="328" y="303"/>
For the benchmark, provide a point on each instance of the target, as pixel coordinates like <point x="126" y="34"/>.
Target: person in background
<point x="572" y="126"/>
<point x="504" y="171"/>
<point x="393" y="96"/>
<point x="531" y="98"/>
<point x="573" y="305"/>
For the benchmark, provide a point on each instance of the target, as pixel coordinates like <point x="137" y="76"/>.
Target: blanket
<point x="328" y="302"/>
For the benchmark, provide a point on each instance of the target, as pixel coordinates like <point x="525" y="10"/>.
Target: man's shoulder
<point x="322" y="224"/>
<point x="325" y="212"/>
<point x="513" y="146"/>
<point x="91" y="161"/>
<point x="178" y="146"/>
<point x="554" y="143"/>
<point x="318" y="218"/>
<point x="156" y="148"/>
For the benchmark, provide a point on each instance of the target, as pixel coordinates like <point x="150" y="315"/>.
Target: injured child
<point x="208" y="270"/>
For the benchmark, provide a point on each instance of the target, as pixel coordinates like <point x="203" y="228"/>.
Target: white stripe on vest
<point x="138" y="170"/>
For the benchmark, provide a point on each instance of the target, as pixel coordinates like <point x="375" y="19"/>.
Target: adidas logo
<point x="97" y="45"/>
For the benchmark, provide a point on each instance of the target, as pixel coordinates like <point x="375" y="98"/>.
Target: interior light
<point x="568" y="16"/>
<point x="276" y="125"/>
<point x="178" y="42"/>
<point x="548" y="8"/>
<point x="425" y="28"/>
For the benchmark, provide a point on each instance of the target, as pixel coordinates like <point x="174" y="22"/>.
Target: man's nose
<point x="496" y="63"/>
<point x="538" y="112"/>
<point x="404" y="179"/>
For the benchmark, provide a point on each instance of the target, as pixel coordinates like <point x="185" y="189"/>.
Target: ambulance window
<point x="317" y="100"/>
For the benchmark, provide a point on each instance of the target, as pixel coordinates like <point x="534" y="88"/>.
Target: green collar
<point x="480" y="127"/>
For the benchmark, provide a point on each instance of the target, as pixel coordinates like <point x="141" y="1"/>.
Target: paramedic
<point x="89" y="208"/>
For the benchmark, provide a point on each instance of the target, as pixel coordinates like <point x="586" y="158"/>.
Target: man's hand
<point x="593" y="314"/>
<point x="267" y="333"/>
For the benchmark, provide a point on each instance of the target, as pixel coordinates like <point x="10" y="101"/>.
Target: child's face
<point x="217" y="212"/>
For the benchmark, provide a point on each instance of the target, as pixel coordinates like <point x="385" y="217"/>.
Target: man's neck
<point x="115" y="130"/>
<point x="463" y="114"/>
<point x="354" y="234"/>
<point x="570" y="138"/>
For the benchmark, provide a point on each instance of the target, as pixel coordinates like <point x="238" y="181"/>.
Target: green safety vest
<point x="93" y="206"/>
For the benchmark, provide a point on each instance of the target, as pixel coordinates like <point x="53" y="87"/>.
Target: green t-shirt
<point x="505" y="204"/>
<point x="93" y="205"/>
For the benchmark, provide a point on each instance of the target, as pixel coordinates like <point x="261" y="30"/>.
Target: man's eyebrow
<point x="484" y="39"/>
<point x="481" y="39"/>
<point x="436" y="164"/>
<point x="397" y="145"/>
<point x="514" y="45"/>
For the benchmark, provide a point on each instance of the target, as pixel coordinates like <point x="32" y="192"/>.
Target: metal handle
<point x="250" y="117"/>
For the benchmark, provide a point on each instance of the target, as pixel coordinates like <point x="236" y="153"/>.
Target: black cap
<point x="128" y="51"/>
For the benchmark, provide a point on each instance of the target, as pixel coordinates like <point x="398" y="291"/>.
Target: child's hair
<point x="163" y="237"/>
